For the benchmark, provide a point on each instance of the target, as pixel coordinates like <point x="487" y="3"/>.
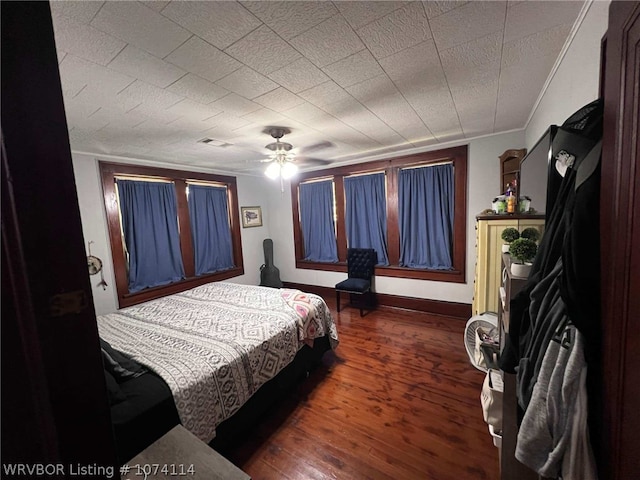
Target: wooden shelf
<point x="510" y="467"/>
<point x="510" y="216"/>
<point x="510" y="167"/>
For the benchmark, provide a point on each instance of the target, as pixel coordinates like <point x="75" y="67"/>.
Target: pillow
<point x="119" y="365"/>
<point x="113" y="390"/>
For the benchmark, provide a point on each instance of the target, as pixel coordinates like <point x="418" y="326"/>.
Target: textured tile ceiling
<point x="350" y="80"/>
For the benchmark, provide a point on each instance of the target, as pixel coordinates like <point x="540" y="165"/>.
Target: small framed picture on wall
<point x="251" y="216"/>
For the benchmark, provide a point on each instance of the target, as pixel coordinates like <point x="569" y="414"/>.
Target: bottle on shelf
<point x="511" y="198"/>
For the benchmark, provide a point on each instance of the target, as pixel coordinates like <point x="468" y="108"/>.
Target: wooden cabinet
<point x="510" y="467"/>
<point x="488" y="253"/>
<point x="510" y="167"/>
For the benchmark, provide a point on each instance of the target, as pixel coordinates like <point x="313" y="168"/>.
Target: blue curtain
<point x="366" y="213"/>
<point x="316" y="218"/>
<point x="425" y="197"/>
<point x="150" y="225"/>
<point x="209" y="215"/>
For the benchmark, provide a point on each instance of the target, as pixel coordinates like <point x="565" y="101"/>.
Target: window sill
<point x="129" y="299"/>
<point x="452" y="276"/>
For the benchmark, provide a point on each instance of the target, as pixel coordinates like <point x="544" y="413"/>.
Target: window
<point x="428" y="248"/>
<point x="366" y="213"/>
<point x="210" y="229"/>
<point x="149" y="214"/>
<point x="185" y="233"/>
<point x="316" y="221"/>
<point x="425" y="201"/>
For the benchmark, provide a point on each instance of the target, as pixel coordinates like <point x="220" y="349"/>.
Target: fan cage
<point x="487" y="320"/>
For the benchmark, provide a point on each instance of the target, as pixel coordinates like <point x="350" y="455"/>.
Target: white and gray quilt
<point x="216" y="344"/>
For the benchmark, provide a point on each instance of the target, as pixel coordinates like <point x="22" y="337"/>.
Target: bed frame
<point x="235" y="428"/>
<point x="150" y="411"/>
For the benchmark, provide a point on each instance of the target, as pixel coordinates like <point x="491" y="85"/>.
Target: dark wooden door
<point x="620" y="250"/>
<point x="54" y="403"/>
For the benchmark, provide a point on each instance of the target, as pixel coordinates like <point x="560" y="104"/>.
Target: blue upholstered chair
<point x="361" y="263"/>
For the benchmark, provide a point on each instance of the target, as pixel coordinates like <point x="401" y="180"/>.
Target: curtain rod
<point x="426" y="165"/>
<point x="203" y="183"/>
<point x="362" y="174"/>
<point x="142" y="178"/>
<point x="317" y="179"/>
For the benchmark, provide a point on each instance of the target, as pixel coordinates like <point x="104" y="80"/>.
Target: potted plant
<point x="522" y="252"/>
<point x="531" y="233"/>
<point x="509" y="234"/>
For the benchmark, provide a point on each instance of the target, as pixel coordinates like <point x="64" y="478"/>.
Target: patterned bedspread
<point x="216" y="344"/>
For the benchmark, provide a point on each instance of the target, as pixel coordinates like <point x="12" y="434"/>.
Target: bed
<point x="213" y="347"/>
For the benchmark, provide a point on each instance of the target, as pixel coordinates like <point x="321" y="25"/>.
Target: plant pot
<point x="505" y="248"/>
<point x="521" y="269"/>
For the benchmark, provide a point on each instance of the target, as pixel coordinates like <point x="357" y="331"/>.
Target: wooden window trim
<point x="108" y="173"/>
<point x="458" y="155"/>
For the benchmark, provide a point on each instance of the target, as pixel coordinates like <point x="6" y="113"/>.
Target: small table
<point x="181" y="455"/>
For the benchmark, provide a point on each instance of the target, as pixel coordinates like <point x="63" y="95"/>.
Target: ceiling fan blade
<point x="317" y="146"/>
<point x="285" y="152"/>
<point x="311" y="161"/>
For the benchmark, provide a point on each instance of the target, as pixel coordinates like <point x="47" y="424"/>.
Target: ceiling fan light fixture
<point x="288" y="170"/>
<point x="273" y="170"/>
<point x="281" y="158"/>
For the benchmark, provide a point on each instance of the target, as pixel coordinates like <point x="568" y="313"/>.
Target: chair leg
<point x="367" y="302"/>
<point x="338" y="299"/>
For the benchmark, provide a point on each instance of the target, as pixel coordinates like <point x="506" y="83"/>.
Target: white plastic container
<point x="497" y="437"/>
<point x="499" y="204"/>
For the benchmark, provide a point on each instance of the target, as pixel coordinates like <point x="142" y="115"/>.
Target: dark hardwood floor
<point x="398" y="399"/>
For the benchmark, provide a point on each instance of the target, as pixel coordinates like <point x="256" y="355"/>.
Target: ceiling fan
<point x="282" y="160"/>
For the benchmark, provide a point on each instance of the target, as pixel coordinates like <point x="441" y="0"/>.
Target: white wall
<point x="94" y="228"/>
<point x="251" y="192"/>
<point x="483" y="186"/>
<point x="575" y="82"/>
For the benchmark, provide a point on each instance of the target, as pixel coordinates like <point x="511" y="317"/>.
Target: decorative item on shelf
<point x="509" y="235"/>
<point x="510" y="168"/>
<point x="511" y="188"/>
<point x="510" y="196"/>
<point x="511" y="203"/>
<point x="524" y="204"/>
<point x="499" y="204"/>
<point x="522" y="251"/>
